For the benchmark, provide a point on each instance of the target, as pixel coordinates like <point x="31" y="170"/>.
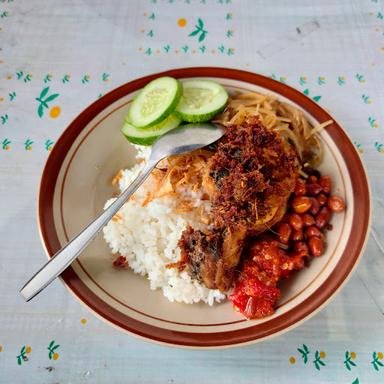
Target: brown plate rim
<point x="293" y="317"/>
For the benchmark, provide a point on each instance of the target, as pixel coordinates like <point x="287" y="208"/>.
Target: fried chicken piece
<point x="249" y="180"/>
<point x="233" y="241"/>
<point x="254" y="172"/>
<point x="202" y="251"/>
<point x="213" y="256"/>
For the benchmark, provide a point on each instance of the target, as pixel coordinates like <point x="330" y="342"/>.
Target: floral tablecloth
<point x="57" y="57"/>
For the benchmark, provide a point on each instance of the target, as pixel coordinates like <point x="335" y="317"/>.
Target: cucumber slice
<point x="147" y="136"/>
<point x="155" y="102"/>
<point x="201" y="100"/>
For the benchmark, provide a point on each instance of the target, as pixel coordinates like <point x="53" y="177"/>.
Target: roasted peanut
<point x="307" y="219"/>
<point x="322" y="199"/>
<point x="301" y="204"/>
<point x="297" y="235"/>
<point x="313" y="189"/>
<point x="300" y="188"/>
<point x="336" y="204"/>
<point x="311" y="179"/>
<point x="322" y="218"/>
<point x="326" y="184"/>
<point x="295" y="221"/>
<point x="315" y="206"/>
<point x="299" y="247"/>
<point x="284" y="231"/>
<point x="316" y="246"/>
<point x="313" y="231"/>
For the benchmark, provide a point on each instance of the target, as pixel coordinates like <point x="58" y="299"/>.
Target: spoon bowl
<point x="186" y="138"/>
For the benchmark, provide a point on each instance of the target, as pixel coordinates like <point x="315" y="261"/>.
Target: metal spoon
<point x="176" y="142"/>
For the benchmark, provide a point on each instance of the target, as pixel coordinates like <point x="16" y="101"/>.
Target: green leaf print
<point x="230" y="51"/>
<point x="199" y="30"/>
<point x="304" y="351"/>
<point x="48" y="144"/>
<point x="303" y="80"/>
<point x="366" y="99"/>
<point x="321" y="80"/>
<point x="23" y="352"/>
<point x="47" y="78"/>
<point x="52" y="348"/>
<point x="194" y="33"/>
<point x="44" y="92"/>
<point x="85" y="79"/>
<point x="28" y="144"/>
<point x="40" y="110"/>
<point x="372" y="122"/>
<point x="43" y="103"/>
<point x="318" y="362"/>
<point x="52" y="97"/>
<point x="5" y="144"/>
<point x="360" y="78"/>
<point x="4" y="118"/>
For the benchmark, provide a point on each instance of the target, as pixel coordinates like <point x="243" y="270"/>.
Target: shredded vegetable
<point x="288" y="120"/>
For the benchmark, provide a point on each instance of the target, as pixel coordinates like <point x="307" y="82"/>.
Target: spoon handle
<point x="64" y="257"/>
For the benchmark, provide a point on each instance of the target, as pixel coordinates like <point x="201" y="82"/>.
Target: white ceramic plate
<point x="77" y="181"/>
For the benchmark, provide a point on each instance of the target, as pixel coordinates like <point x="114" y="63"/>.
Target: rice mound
<point x="148" y="235"/>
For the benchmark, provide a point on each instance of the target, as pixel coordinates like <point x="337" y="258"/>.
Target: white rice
<point x="147" y="236"/>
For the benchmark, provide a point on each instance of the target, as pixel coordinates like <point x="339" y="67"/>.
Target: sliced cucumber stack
<point x="156" y="101"/>
<point x="147" y="136"/>
<point x="201" y="100"/>
<point x="164" y="102"/>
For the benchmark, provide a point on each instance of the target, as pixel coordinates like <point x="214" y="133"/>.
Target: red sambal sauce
<point x="255" y="293"/>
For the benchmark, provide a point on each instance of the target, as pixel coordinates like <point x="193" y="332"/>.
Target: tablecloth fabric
<point x="69" y="53"/>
